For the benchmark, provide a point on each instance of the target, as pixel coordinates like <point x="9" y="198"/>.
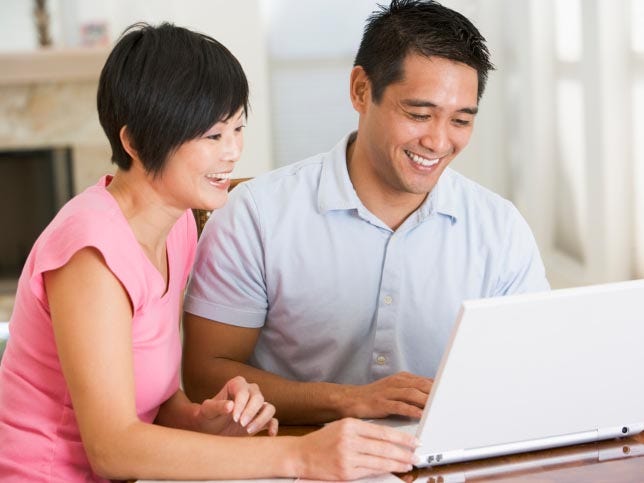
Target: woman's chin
<point x="214" y="204"/>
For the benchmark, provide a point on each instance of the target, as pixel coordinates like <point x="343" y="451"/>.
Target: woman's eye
<point x="214" y="137"/>
<point x="239" y="128"/>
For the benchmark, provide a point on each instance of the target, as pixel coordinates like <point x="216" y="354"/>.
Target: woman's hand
<point x="238" y="409"/>
<point x="349" y="449"/>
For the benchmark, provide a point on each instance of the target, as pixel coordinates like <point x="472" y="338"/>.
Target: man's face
<point x="420" y="124"/>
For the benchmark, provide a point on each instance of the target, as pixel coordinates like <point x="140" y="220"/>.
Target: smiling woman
<point x="79" y="301"/>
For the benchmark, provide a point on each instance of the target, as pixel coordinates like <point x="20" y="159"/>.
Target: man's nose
<point x="436" y="138"/>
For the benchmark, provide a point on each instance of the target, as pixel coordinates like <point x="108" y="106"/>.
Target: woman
<point x="89" y="383"/>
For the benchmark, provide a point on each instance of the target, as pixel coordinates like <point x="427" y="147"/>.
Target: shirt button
<point x="381" y="360"/>
<point x="387" y="299"/>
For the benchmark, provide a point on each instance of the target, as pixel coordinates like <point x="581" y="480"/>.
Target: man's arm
<point x="215" y="352"/>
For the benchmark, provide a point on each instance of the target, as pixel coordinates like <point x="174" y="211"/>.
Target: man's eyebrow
<point x="421" y="103"/>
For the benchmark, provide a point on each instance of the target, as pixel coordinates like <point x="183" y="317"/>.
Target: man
<point x="334" y="282"/>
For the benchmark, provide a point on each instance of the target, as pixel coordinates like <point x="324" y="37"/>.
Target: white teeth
<point x="422" y="161"/>
<point x="219" y="176"/>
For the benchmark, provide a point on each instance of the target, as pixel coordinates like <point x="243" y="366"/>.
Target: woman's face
<point x="197" y="174"/>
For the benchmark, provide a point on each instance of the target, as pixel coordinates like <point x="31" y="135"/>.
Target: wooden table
<point x="611" y="461"/>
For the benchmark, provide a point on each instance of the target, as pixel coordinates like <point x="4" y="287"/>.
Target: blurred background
<point x="558" y="132"/>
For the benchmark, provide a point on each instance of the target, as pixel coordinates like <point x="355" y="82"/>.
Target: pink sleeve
<point x="115" y="242"/>
<point x="58" y="244"/>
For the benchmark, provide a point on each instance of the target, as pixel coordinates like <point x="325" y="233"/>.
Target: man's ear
<point x="360" y="89"/>
<point x="126" y="142"/>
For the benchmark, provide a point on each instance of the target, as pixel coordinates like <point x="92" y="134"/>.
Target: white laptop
<point x="534" y="371"/>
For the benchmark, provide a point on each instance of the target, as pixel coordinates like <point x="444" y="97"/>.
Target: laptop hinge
<point x="455" y="456"/>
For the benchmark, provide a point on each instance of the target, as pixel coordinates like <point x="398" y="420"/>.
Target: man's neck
<point x="390" y="206"/>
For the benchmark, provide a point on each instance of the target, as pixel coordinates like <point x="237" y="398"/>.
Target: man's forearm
<point x="296" y="402"/>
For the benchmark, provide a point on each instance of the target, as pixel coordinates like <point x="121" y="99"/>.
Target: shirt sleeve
<point x="227" y="283"/>
<point x="522" y="269"/>
<point x="85" y="229"/>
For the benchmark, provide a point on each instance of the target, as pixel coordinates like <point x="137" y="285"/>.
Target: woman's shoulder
<point x="94" y="206"/>
<point x="90" y="219"/>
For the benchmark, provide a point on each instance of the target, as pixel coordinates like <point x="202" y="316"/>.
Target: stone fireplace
<point x="47" y="113"/>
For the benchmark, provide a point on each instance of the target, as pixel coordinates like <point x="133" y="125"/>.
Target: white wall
<point x="312" y="45"/>
<point x="17" y="29"/>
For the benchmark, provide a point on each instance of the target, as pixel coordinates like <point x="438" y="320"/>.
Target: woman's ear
<point x="360" y="89"/>
<point x="126" y="142"/>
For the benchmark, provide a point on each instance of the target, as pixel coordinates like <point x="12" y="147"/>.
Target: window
<point x="637" y="56"/>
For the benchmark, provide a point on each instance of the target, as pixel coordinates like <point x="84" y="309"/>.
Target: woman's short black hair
<point x="168" y="85"/>
<point x="422" y="27"/>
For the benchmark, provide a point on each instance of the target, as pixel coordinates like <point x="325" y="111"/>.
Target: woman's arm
<point x="92" y="318"/>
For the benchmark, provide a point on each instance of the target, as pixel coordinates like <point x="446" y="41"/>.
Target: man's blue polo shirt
<point x="339" y="296"/>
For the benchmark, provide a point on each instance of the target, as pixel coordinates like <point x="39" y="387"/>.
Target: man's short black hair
<point x="422" y="27"/>
<point x="168" y="85"/>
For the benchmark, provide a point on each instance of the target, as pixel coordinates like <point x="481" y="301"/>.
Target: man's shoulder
<point x="489" y="219"/>
<point x="283" y="184"/>
<point x="474" y="197"/>
<point x="282" y="193"/>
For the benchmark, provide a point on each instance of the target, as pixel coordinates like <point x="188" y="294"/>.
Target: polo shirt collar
<point x="442" y="199"/>
<point x="336" y="192"/>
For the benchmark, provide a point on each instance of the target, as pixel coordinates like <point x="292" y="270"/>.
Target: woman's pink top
<point x="39" y="436"/>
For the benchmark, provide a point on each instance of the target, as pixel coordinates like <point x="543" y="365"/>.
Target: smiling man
<point x="334" y="282"/>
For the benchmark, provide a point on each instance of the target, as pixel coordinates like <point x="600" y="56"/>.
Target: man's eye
<point x="462" y="122"/>
<point x="419" y="117"/>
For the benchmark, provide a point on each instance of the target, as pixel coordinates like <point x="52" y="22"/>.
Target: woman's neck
<point x="150" y="216"/>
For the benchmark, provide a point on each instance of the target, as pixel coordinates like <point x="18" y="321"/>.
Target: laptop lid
<point x="533" y="371"/>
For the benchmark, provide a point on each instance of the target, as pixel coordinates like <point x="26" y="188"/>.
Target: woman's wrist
<point x="291" y="463"/>
<point x="193" y="420"/>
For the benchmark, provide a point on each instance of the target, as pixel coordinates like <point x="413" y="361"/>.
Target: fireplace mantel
<point x="48" y="100"/>
<point x="52" y="65"/>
